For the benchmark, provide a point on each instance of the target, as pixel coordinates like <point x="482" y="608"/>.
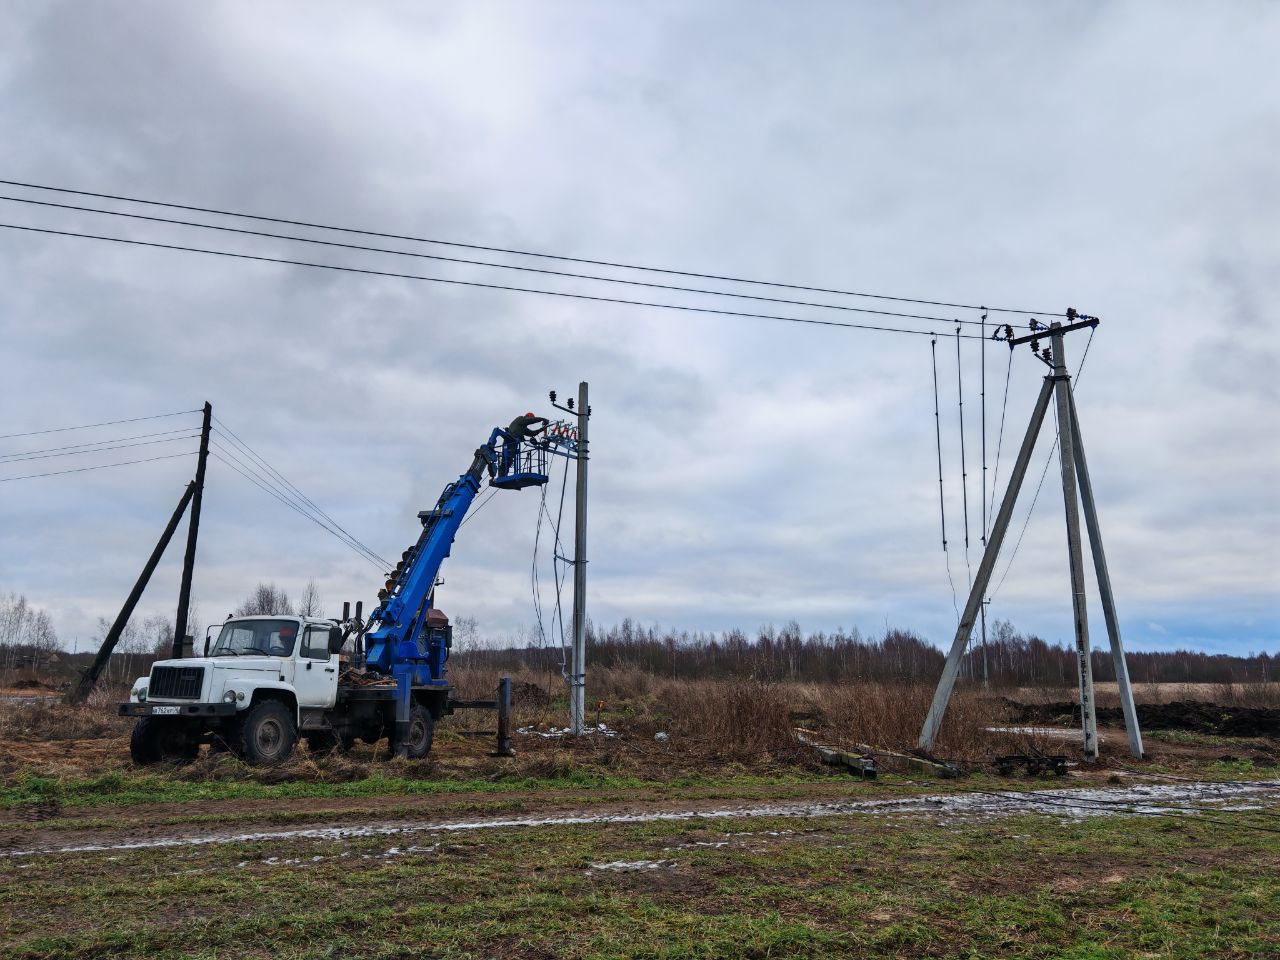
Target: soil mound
<point x="1179" y="715"/>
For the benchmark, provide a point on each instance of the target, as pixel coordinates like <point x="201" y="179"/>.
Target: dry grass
<point x="710" y="725"/>
<point x="748" y="721"/>
<point x="51" y="719"/>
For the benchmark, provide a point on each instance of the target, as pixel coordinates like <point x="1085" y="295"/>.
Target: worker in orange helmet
<point x="521" y="428"/>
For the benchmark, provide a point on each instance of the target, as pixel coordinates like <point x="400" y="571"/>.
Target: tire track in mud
<point x="1153" y="800"/>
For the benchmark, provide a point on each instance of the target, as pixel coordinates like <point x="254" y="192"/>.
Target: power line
<point x="1004" y="407"/>
<point x="525" y="253"/>
<point x="490" y="286"/>
<point x="100" y="466"/>
<point x="313" y="513"/>
<point x="231" y="435"/>
<point x="88" y="426"/>
<point x="476" y="263"/>
<point x="100" y="449"/>
<point x="480" y="506"/>
<point x="23" y="454"/>
<point x="253" y="478"/>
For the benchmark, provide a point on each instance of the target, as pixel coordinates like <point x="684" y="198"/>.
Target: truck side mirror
<point x="336" y="639"/>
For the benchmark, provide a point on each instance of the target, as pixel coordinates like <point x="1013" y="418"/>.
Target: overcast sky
<point x="1116" y="157"/>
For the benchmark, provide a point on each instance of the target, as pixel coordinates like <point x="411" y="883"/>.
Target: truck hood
<point x="246" y="664"/>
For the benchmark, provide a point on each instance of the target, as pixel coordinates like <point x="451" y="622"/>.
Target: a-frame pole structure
<point x="1056" y="386"/>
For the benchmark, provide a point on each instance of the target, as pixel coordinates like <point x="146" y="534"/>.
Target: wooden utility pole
<point x="90" y="677"/>
<point x="181" y="647"/>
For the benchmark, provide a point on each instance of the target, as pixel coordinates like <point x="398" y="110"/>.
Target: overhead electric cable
<point x="942" y="507"/>
<point x="219" y="450"/>
<point x="88" y="446"/>
<point x="100" y="449"/>
<point x="284" y="494"/>
<point x="497" y="286"/>
<point x="522" y="253"/>
<point x="1004" y="407"/>
<point x="937" y="433"/>
<point x="475" y="263"/>
<point x="89" y="426"/>
<point x="478" y="507"/>
<point x="983" y="397"/>
<point x="100" y="466"/>
<point x="231" y="435"/>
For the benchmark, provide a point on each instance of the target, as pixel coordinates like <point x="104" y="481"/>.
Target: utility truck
<point x="263" y="682"/>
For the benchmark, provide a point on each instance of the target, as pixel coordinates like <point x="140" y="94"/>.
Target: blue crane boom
<point x="400" y="640"/>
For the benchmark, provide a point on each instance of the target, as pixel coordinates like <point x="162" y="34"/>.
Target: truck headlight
<point x="229" y="696"/>
<point x="141" y="694"/>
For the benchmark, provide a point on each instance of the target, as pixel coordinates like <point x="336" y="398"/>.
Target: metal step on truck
<point x="264" y="682"/>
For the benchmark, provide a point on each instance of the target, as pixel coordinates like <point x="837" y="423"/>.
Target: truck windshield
<point x="274" y="638"/>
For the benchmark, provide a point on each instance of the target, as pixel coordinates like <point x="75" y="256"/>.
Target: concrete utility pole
<point x="942" y="695"/>
<point x="1104" y="591"/>
<point x="1075" y="555"/>
<point x="1076" y="489"/>
<point x="578" y="679"/>
<point x="180" y="646"/>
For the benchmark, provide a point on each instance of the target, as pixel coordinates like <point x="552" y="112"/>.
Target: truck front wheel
<point x="417" y="742"/>
<point x="267" y="734"/>
<point x="161" y="739"/>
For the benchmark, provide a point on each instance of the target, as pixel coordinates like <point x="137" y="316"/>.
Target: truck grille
<point x="178" y="683"/>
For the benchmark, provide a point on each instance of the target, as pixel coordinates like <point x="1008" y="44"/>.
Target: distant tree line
<point x="1012" y="658"/>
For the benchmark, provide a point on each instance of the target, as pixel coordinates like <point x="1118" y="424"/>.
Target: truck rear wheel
<point x="417" y="742"/>
<point x="161" y="739"/>
<point x="267" y="734"/>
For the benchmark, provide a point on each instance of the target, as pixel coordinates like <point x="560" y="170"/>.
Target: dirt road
<point x="965" y="803"/>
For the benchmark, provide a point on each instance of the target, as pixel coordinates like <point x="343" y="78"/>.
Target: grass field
<point x="628" y="847"/>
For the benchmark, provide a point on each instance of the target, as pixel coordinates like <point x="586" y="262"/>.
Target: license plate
<point x="164" y="711"/>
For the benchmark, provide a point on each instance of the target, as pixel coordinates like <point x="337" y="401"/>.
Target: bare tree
<point x="310" y="604"/>
<point x="266" y="600"/>
<point x="466" y="634"/>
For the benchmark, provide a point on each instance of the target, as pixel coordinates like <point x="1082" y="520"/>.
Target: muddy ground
<point x="630" y="846"/>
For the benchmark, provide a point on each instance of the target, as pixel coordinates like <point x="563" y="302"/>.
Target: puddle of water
<point x="554" y="733"/>
<point x="1145" y="800"/>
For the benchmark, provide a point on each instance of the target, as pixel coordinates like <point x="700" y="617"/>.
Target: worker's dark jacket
<point x="521" y="427"/>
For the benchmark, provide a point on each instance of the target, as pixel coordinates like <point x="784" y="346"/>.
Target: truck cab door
<point x="315" y="678"/>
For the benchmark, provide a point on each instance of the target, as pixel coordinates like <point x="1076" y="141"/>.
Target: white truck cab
<point x="261" y="681"/>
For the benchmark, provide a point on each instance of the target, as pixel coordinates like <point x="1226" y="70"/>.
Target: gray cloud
<point x="1113" y="157"/>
